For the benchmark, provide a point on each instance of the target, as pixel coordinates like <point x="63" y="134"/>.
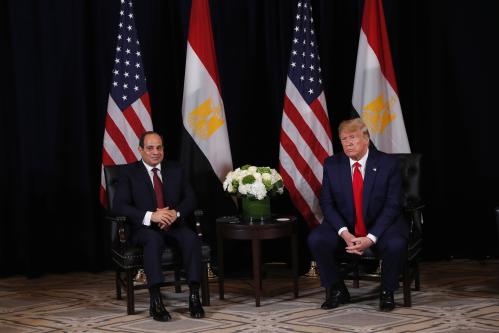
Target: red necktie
<point x="358" y="186"/>
<point x="158" y="189"/>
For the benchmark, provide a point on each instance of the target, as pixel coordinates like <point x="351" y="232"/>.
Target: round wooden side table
<point x="234" y="227"/>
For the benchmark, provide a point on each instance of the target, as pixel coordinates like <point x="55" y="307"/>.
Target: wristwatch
<point x="178" y="214"/>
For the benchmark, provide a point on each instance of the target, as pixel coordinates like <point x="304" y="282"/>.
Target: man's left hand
<point x="171" y="216"/>
<point x="360" y="244"/>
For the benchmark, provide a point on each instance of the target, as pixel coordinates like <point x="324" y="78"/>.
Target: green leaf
<point x="263" y="170"/>
<point x="249" y="179"/>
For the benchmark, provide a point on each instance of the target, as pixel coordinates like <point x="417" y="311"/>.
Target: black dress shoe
<point x="386" y="301"/>
<point x="336" y="295"/>
<point x="195" y="307"/>
<point x="158" y="311"/>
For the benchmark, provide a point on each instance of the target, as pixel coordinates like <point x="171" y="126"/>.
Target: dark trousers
<point x="180" y="238"/>
<point x="324" y="244"/>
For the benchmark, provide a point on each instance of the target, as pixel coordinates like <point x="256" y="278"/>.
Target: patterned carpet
<point x="456" y="296"/>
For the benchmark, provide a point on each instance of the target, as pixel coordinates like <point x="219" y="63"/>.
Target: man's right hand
<point x="163" y="217"/>
<point x="347" y="237"/>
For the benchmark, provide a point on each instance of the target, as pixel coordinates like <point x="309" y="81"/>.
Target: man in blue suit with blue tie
<point x="361" y="200"/>
<point x="155" y="196"/>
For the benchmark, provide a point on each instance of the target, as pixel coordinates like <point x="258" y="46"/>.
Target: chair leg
<point x="205" y="286"/>
<point x="130" y="297"/>
<point x="178" y="283"/>
<point x="355" y="273"/>
<point x="407" y="286"/>
<point x="118" y="284"/>
<point x="417" y="282"/>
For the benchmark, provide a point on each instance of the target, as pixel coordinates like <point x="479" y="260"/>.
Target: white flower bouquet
<point x="253" y="182"/>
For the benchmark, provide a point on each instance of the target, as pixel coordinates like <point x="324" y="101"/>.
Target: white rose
<point x="243" y="189"/>
<point x="258" y="177"/>
<point x="258" y="190"/>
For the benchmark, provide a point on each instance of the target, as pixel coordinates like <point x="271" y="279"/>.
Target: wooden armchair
<point x="129" y="259"/>
<point x="352" y="266"/>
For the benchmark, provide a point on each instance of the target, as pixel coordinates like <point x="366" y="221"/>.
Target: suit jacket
<point x="381" y="196"/>
<point x="135" y="193"/>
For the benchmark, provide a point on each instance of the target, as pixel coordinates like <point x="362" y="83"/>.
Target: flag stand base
<point x="211" y="275"/>
<point x="140" y="278"/>
<point x="313" y="272"/>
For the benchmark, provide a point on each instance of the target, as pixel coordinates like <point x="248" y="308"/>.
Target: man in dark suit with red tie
<point x="361" y="200"/>
<point x="155" y="196"/>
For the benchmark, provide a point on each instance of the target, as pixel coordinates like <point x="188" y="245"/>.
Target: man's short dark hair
<point x="143" y="136"/>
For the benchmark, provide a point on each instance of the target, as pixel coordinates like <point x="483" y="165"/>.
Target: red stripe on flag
<point x="374" y="27"/>
<point x="301" y="165"/>
<point x="119" y="140"/>
<point x="321" y="115"/>
<point x="298" y="200"/>
<point x="106" y="158"/>
<point x="306" y="132"/>
<point x="147" y="103"/>
<point x="134" y="121"/>
<point x="103" y="197"/>
<point x="201" y="37"/>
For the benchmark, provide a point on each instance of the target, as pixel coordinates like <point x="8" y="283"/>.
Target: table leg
<point x="294" y="253"/>
<point x="220" y="241"/>
<point x="255" y="246"/>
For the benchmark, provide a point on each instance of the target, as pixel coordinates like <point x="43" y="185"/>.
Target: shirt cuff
<point x="147" y="219"/>
<point x="341" y="230"/>
<point x="372" y="237"/>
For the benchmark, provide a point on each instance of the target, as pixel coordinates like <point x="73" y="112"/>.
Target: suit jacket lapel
<point x="164" y="177"/>
<point x="346" y="177"/>
<point x="369" y="176"/>
<point x="146" y="179"/>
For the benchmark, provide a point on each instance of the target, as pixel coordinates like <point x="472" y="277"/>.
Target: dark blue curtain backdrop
<point x="56" y="60"/>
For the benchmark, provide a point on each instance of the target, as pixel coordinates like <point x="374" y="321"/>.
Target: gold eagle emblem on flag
<point x="205" y="119"/>
<point x="378" y="115"/>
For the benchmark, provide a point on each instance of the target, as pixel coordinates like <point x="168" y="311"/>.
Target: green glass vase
<point x="254" y="209"/>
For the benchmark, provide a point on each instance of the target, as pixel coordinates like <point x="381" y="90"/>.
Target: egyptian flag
<point x="205" y="146"/>
<point x="375" y="93"/>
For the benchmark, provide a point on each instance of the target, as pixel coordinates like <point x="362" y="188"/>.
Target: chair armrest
<point x="118" y="227"/>
<point x="120" y="223"/>
<point x="198" y="215"/>
<point x="116" y="219"/>
<point x="415" y="214"/>
<point x="418" y="206"/>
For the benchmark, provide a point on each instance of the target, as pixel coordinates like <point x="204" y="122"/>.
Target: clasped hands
<point x="164" y="217"/>
<point x="356" y="245"/>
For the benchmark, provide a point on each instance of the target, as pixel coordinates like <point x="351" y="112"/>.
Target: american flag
<point x="128" y="109"/>
<point x="305" y="140"/>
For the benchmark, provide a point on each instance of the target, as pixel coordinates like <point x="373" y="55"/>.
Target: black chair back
<point x="112" y="175"/>
<point x="410" y="166"/>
